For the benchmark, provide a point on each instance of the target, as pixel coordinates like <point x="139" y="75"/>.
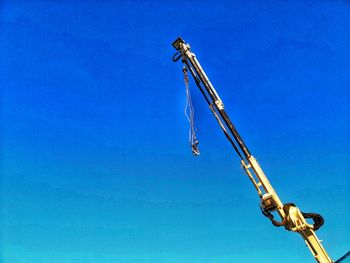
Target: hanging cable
<point x="189" y="112"/>
<point x="190" y="116"/>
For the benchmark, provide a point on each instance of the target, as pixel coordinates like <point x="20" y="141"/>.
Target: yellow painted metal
<point x="294" y="218"/>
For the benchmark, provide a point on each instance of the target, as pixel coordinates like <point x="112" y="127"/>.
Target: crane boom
<point x="290" y="216"/>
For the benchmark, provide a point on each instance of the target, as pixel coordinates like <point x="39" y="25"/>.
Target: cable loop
<point x="189" y="112"/>
<point x="176" y="56"/>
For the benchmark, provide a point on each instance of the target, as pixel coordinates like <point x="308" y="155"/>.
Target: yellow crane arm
<point x="291" y="218"/>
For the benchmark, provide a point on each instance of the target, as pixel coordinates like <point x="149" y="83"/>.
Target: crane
<point x="290" y="216"/>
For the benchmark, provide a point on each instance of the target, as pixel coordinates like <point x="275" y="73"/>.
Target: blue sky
<point x="96" y="166"/>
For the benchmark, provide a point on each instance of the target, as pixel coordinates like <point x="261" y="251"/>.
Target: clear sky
<point x="96" y="165"/>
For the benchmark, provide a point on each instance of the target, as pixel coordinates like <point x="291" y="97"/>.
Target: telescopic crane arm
<point x="290" y="216"/>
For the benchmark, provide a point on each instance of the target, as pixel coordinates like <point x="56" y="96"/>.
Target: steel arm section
<point x="291" y="217"/>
